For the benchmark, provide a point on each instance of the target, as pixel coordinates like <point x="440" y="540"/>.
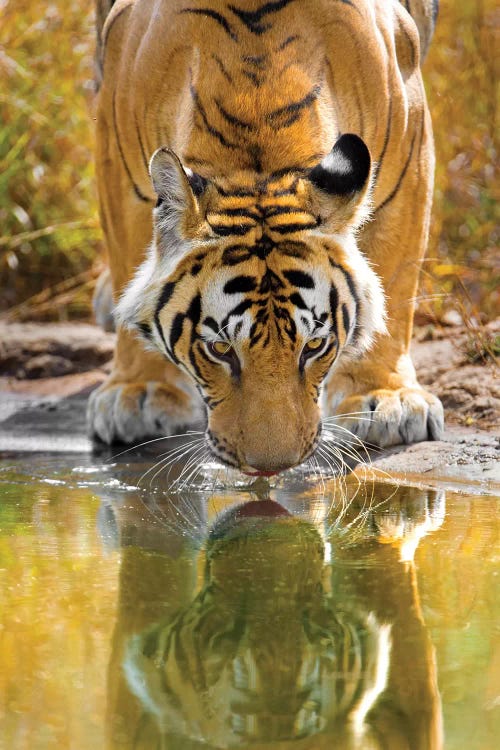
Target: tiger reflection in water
<point x="281" y="647"/>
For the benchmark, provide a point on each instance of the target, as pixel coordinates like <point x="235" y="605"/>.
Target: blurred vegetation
<point x="49" y="232"/>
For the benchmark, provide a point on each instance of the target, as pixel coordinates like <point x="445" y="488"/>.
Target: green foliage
<point x="48" y="214"/>
<point x="461" y="75"/>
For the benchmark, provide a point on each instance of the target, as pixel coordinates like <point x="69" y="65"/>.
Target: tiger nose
<point x="262" y="463"/>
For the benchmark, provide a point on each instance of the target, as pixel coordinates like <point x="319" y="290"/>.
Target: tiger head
<point x="255" y="286"/>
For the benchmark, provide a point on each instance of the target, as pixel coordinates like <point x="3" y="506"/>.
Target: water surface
<point x="315" y="613"/>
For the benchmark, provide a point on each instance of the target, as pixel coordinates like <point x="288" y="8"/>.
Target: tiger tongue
<point x="261" y="473"/>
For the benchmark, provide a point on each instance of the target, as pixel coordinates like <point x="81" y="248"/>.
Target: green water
<point x="310" y="615"/>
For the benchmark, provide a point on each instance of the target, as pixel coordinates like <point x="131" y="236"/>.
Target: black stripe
<point x="252" y="77"/>
<point x="252" y="19"/>
<point x="165" y="295"/>
<point x="212" y="323"/>
<point x="238" y="193"/>
<point x="257" y="60"/>
<point x="290" y="228"/>
<point x="296" y="299"/>
<point x="235" y="254"/>
<point x="334" y="303"/>
<point x="270" y="211"/>
<point x="386" y="141"/>
<point x="108" y="30"/>
<point x="349" y="2"/>
<point x="347" y="277"/>
<point x="291" y="112"/>
<point x="213" y="131"/>
<point x="248" y="213"/>
<point x="288" y="41"/>
<point x="218" y="17"/>
<point x="141" y="145"/>
<point x="400" y="180"/>
<point x="238" y="310"/>
<point x="232" y="120"/>
<point x="145" y="330"/>
<point x="176" y="331"/>
<point x="299" y="278"/>
<point x="293" y="249"/>
<point x="346" y="321"/>
<point x="410" y="44"/>
<point x="240" y="284"/>
<point x="138" y="193"/>
<point x="223" y="69"/>
<point x="228" y="230"/>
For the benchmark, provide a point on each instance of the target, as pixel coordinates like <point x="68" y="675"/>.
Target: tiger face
<point x="256" y="288"/>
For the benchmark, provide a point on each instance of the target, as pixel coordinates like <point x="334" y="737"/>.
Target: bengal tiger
<point x="277" y="160"/>
<point x="319" y="642"/>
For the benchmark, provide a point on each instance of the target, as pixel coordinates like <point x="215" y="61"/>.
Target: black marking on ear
<point x="197" y="182"/>
<point x="345" y="169"/>
<point x="145" y="330"/>
<point x="299" y="278"/>
<point x="195" y="269"/>
<point x="240" y="284"/>
<point x="217" y="17"/>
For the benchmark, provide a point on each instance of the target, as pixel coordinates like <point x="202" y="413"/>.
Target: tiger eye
<point x="220" y="347"/>
<point x="314" y="344"/>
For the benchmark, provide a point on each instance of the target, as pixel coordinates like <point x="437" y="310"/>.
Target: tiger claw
<point x="127" y="412"/>
<point x="386" y="417"/>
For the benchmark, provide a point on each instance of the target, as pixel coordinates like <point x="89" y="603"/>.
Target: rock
<point x="45" y="366"/>
<point x="39" y="350"/>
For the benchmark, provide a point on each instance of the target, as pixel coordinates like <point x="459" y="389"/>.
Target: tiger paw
<point x="127" y="412"/>
<point x="390" y="417"/>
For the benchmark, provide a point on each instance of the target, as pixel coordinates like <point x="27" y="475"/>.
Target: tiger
<point x="265" y="176"/>
<point x="306" y="647"/>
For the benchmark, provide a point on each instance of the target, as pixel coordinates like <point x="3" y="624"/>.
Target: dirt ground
<point x="65" y="359"/>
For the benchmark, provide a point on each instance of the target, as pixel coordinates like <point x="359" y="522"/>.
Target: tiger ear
<point x="178" y="190"/>
<point x="341" y="183"/>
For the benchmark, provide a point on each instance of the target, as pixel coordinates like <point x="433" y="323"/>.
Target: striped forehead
<point x="233" y="298"/>
<point x="226" y="310"/>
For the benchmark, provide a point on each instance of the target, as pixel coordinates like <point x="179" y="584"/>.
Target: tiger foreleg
<point x="378" y="397"/>
<point x="143" y="397"/>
